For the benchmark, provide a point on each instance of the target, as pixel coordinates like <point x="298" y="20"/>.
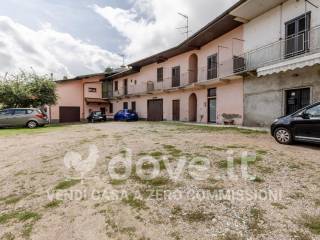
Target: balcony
<point x="298" y="46"/>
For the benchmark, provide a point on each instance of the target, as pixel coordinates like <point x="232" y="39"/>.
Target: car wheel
<point x="283" y="136"/>
<point x="32" y="124"/>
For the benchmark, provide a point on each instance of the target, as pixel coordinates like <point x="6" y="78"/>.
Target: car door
<point x="19" y="117"/>
<point x="307" y="125"/>
<point x="6" y="118"/>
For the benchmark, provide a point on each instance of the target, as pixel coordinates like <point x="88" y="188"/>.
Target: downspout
<point x="83" y="110"/>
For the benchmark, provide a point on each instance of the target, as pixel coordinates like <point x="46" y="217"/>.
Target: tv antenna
<point x="186" y="27"/>
<point x="123" y="58"/>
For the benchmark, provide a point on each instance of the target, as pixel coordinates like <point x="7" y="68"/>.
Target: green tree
<point x="108" y="70"/>
<point x="27" y="90"/>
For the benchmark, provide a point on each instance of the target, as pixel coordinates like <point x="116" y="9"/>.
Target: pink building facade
<point x="200" y="85"/>
<point x="77" y="98"/>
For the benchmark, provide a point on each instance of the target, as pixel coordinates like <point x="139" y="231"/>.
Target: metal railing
<point x="307" y="42"/>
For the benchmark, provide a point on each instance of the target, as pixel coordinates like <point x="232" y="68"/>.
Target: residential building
<point x="282" y="56"/>
<point x="196" y="81"/>
<point x="77" y="97"/>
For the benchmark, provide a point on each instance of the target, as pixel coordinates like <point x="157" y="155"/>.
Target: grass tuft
<point x="134" y="202"/>
<point x="67" y="184"/>
<point x="53" y="204"/>
<point x="312" y="223"/>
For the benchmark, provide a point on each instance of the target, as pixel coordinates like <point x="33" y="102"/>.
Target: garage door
<point x="155" y="110"/>
<point x="69" y="114"/>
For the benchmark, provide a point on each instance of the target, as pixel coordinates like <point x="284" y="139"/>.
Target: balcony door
<point x="212" y="67"/>
<point x="125" y="87"/>
<point x="176" y="76"/>
<point x="297" y="35"/>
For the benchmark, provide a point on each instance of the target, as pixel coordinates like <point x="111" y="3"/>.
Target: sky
<point x="77" y="37"/>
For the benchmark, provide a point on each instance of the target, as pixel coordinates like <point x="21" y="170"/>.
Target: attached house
<point x="257" y="61"/>
<point x="197" y="81"/>
<point x="282" y="57"/>
<point x="77" y="97"/>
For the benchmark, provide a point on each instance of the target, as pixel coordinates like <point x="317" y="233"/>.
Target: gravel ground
<point x="46" y="192"/>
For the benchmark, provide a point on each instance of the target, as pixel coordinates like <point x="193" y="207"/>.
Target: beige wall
<point x="72" y="93"/>
<point x="229" y="94"/>
<point x="229" y="100"/>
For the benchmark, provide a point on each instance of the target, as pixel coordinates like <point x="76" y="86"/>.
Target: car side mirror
<point x="305" y="115"/>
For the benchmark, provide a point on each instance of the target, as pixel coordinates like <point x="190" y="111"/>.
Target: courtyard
<point x="275" y="195"/>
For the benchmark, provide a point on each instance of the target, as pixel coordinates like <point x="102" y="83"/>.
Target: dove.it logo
<point x="73" y="160"/>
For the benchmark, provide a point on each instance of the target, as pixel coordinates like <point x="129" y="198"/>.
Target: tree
<point x="108" y="70"/>
<point x="27" y="90"/>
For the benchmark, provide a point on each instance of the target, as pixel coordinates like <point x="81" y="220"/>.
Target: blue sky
<point x="73" y="37"/>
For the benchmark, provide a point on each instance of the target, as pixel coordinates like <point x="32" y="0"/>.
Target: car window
<point x="314" y="111"/>
<point x="6" y="112"/>
<point x="98" y="113"/>
<point x="19" y="111"/>
<point x="29" y="111"/>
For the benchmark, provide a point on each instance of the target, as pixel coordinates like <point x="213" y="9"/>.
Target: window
<point x="20" y="111"/>
<point x="116" y="87"/>
<point x="212" y="67"/>
<point x="176" y="76"/>
<point x="92" y="90"/>
<point x="29" y="111"/>
<point x="133" y="106"/>
<point x="212" y="92"/>
<point x="314" y="112"/>
<point x="297" y="35"/>
<point x="135" y="82"/>
<point x="111" y="108"/>
<point x="125" y="105"/>
<point x="160" y="75"/>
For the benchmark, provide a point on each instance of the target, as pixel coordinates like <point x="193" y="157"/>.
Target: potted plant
<point x="229" y="119"/>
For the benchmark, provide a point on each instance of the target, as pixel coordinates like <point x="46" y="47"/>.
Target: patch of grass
<point x="298" y="235"/>
<point x="134" y="202"/>
<point x="12" y="199"/>
<point x="156" y="154"/>
<point x="198" y="216"/>
<point x="157" y="182"/>
<point x="215" y="148"/>
<point x="312" y="223"/>
<point x="172" y="150"/>
<point x="235" y="146"/>
<point x="317" y="202"/>
<point x="176" y="210"/>
<point x="230" y="236"/>
<point x="258" y="180"/>
<point x="67" y="184"/>
<point x="296" y="195"/>
<point x="27" y="230"/>
<point x="117" y="182"/>
<point x="261" y="152"/>
<point x="19" y="131"/>
<point x="53" y="204"/>
<point x="256" y="221"/>
<point x="294" y="166"/>
<point x="8" y="236"/>
<point x="278" y="205"/>
<point x="21" y="216"/>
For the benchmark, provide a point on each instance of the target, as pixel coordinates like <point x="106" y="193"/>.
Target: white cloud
<point x="49" y="51"/>
<point x="151" y="25"/>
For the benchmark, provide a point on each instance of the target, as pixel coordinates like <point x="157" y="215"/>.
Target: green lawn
<point x="17" y="131"/>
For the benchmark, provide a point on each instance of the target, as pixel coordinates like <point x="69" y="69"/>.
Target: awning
<point x="96" y="100"/>
<point x="299" y="62"/>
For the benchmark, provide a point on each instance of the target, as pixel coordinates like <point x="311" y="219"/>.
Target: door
<point x="212" y="110"/>
<point x="69" y="114"/>
<point x="297" y="99"/>
<point x="126" y="87"/>
<point x="125" y="105"/>
<point x="307" y="125"/>
<point x="176" y="76"/>
<point x="212" y="105"/>
<point x="155" y="110"/>
<point x="6" y="117"/>
<point x="20" y="117"/>
<point x="103" y="110"/>
<point x="133" y="106"/>
<point x="176" y="110"/>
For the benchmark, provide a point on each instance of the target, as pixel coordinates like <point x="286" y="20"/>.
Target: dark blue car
<point x="126" y="115"/>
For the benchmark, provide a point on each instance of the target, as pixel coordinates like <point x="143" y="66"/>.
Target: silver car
<point x="22" y="117"/>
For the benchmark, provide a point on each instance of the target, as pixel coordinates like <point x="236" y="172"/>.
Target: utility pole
<point x="186" y="27"/>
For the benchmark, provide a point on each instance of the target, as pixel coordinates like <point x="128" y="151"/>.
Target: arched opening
<point x="193" y="108"/>
<point x="193" y="68"/>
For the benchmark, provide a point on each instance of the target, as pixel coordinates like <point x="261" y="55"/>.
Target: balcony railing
<point x="307" y="42"/>
<point x="297" y="45"/>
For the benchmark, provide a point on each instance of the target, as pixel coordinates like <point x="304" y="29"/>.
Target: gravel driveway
<point x="50" y="191"/>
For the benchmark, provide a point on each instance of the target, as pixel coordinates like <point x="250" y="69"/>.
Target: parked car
<point x="302" y="126"/>
<point x="23" y="117"/>
<point x="97" y="116"/>
<point x="126" y="115"/>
